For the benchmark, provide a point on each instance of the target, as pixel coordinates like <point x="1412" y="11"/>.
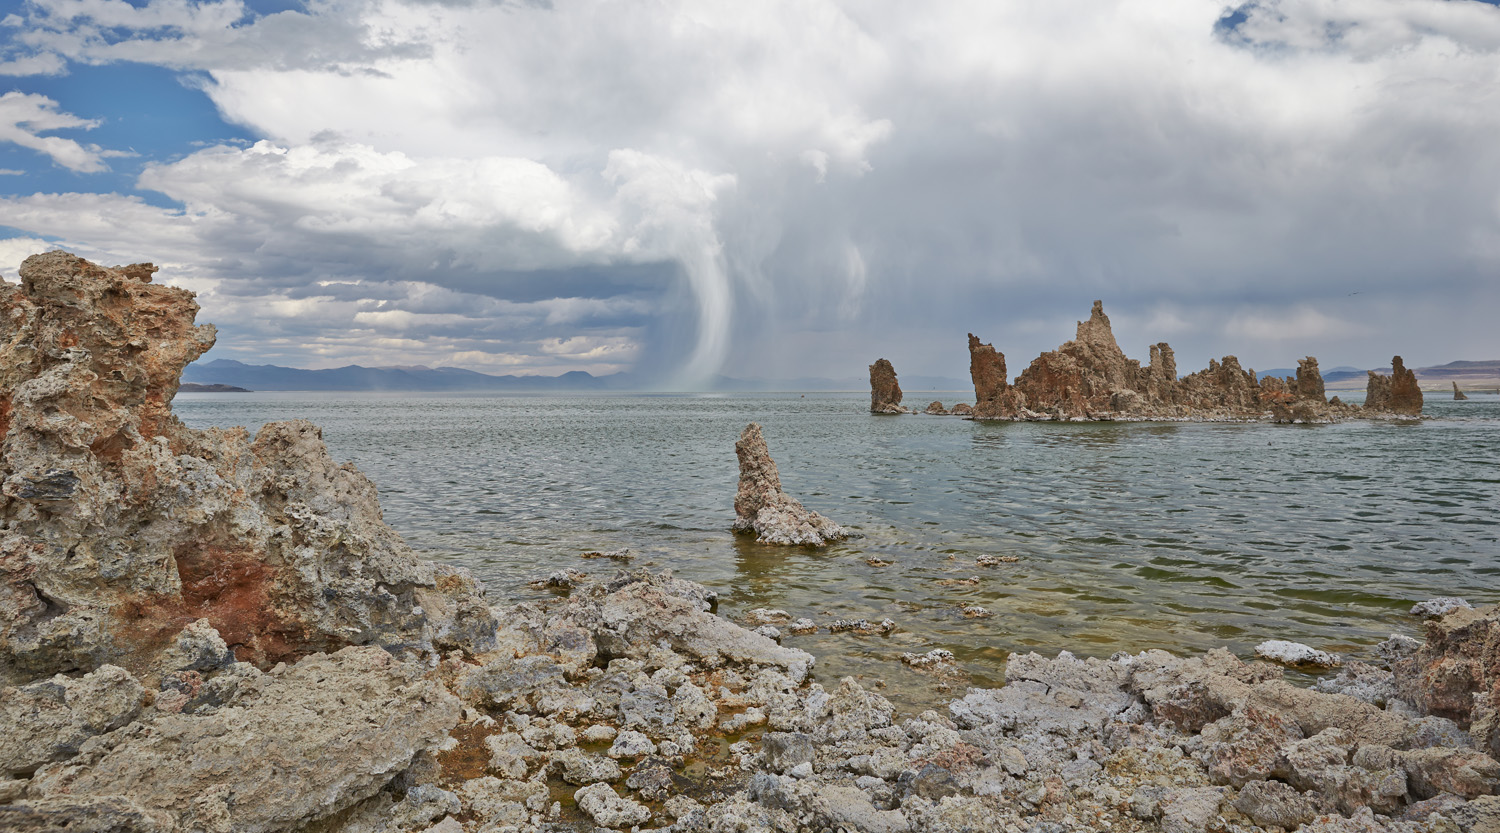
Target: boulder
<point x="1456" y="672"/>
<point x="120" y="526"/>
<point x="761" y="506"/>
<point x="885" y="392"/>
<point x="287" y="749"/>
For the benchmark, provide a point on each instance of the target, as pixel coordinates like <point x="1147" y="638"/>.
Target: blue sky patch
<point x="149" y="112"/>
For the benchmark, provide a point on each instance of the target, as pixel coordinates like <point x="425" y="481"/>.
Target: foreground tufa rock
<point x="885" y="392"/>
<point x="259" y="760"/>
<point x="1458" y="395"/>
<point x="761" y="507"/>
<point x="120" y="526"/>
<point x="1091" y="378"/>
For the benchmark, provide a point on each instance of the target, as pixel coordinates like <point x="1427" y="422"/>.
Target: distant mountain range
<point x="227" y="372"/>
<point x="438" y="379"/>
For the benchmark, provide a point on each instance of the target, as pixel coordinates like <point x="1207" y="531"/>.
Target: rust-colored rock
<point x="1456" y="672"/>
<point x="1091" y="378"/>
<point x="1309" y="387"/>
<point x="885" y="392"/>
<point x="936" y="408"/>
<point x="994" y="398"/>
<point x="119" y="526"/>
<point x="1458" y="395"/>
<point x="1397" y="393"/>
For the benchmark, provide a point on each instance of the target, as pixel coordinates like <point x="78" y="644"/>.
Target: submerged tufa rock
<point x="119" y="526"/>
<point x="885" y="391"/>
<point x="761" y="507"/>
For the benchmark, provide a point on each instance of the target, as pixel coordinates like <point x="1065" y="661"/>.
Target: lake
<point x="1127" y="536"/>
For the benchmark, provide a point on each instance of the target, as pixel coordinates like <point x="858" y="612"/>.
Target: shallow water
<point x="1181" y="536"/>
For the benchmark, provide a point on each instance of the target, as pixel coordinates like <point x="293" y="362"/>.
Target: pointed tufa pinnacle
<point x="885" y="392"/>
<point x="761" y="507"/>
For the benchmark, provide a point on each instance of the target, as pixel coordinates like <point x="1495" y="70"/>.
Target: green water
<point x="1129" y="535"/>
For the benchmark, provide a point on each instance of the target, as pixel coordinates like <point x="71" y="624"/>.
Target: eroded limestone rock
<point x="1397" y="393"/>
<point x="119" y="526"/>
<point x="1091" y="378"/>
<point x="762" y="507"/>
<point x="297" y="744"/>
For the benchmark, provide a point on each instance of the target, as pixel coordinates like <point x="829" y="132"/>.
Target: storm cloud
<point x="792" y="189"/>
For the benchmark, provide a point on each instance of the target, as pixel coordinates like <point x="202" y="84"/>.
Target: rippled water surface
<point x="1129" y="535"/>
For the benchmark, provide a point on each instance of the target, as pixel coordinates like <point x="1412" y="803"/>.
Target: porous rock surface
<point x="1091" y="378"/>
<point x="1397" y="393"/>
<point x="885" y="391"/>
<point x="760" y="506"/>
<point x="119" y="526"/>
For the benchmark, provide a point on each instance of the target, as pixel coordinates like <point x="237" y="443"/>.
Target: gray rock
<point x="1361" y="681"/>
<point x="48" y="721"/>
<point x="1439" y="607"/>
<point x="602" y="804"/>
<point x="1397" y="648"/>
<point x="783" y="751"/>
<point x="276" y="738"/>
<point x="1295" y="654"/>
<point x="629" y="744"/>
<point x="851" y="808"/>
<point x="579" y="767"/>
<point x="1482" y="815"/>
<point x="510" y="755"/>
<point x="1275" y="804"/>
<point x="1189" y="810"/>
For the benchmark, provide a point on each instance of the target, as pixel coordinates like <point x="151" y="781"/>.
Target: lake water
<point x="1129" y="536"/>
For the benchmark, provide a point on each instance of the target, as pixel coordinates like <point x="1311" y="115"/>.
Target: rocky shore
<point x="201" y="631"/>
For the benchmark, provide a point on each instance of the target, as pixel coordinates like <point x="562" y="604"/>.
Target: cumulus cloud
<point x="24" y="117"/>
<point x="788" y="188"/>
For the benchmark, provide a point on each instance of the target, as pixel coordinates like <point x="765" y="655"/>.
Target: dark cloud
<point x="793" y="189"/>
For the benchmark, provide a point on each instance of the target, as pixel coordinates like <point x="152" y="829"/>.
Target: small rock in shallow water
<point x="614" y="555"/>
<point x="959" y="582"/>
<point x="560" y="580"/>
<point x="1439" y="607"/>
<point x="863" y="627"/>
<point x="769" y="632"/>
<point x="1295" y="654"/>
<point x="803" y="627"/>
<point x="994" y="560"/>
<point x="975" y="612"/>
<point x="764" y="616"/>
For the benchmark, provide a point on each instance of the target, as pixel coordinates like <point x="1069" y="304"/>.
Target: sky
<point x="776" y="189"/>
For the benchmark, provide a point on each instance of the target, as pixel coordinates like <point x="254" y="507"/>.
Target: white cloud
<point x="738" y="184"/>
<point x="25" y="116"/>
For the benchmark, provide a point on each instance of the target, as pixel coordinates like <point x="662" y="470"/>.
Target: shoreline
<point x="209" y="631"/>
